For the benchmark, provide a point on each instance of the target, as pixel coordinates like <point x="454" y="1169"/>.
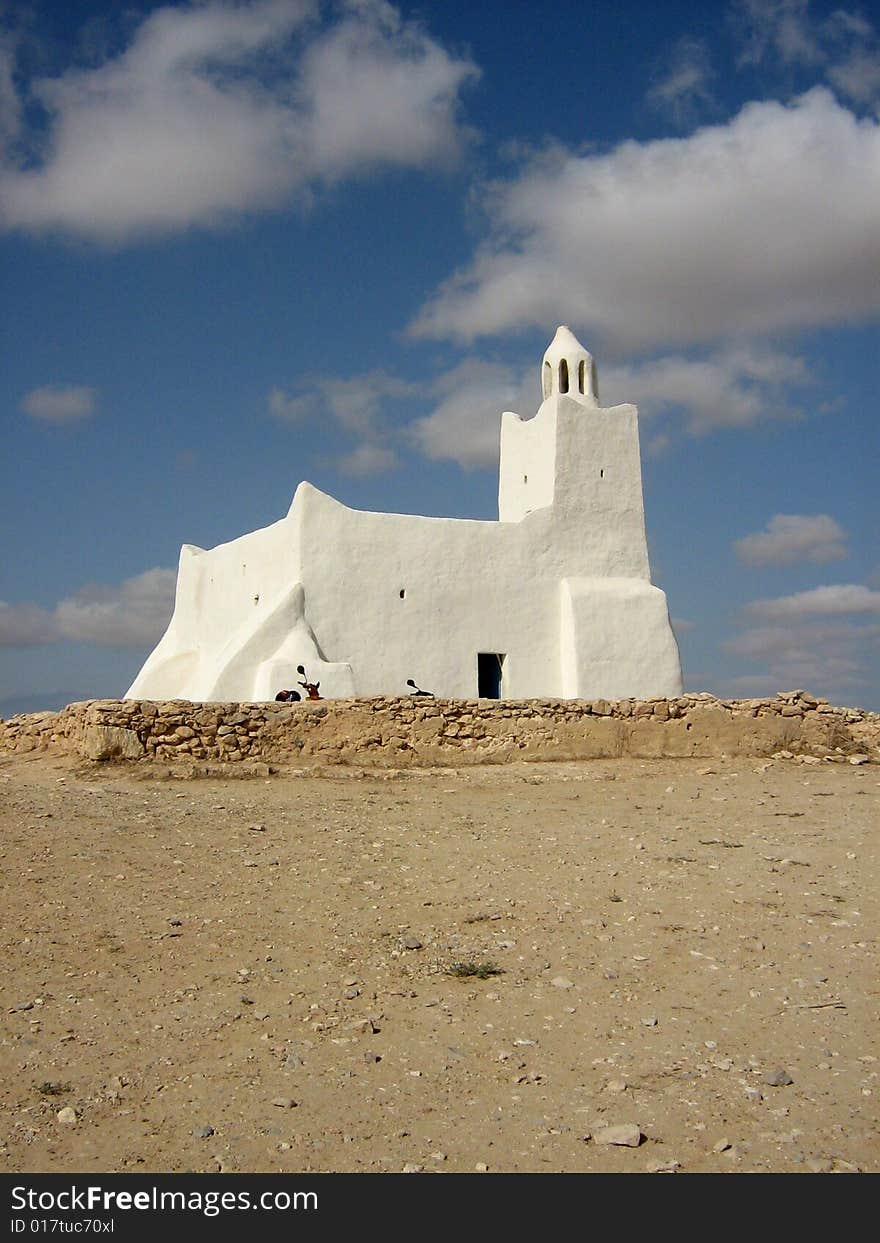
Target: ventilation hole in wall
<point x="402" y="593"/>
<point x="563" y="376"/>
<point x="256" y="599"/>
<point x="582" y="368"/>
<point x="548" y="379"/>
<point x="602" y="473"/>
<point x="525" y="479"/>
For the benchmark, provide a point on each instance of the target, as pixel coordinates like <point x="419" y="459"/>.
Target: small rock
<point x="777" y="1078"/>
<point x="411" y="943"/>
<point x="481" y="1167"/>
<point x="257" y="828"/>
<point x="203" y="1132"/>
<point x="859" y="759"/>
<point x="409" y="1168"/>
<point x="662" y="1167"/>
<point x="721" y="1146"/>
<point x="820" y="1165"/>
<point x="650" y="1021"/>
<point x="284" y="1102"/>
<point x="615" y="1085"/>
<point x="67" y="1116"/>
<point x="626" y="1135"/>
<point x="351" y="993"/>
<point x="560" y="981"/>
<point x="754" y="1095"/>
<point x="24" y="1005"/>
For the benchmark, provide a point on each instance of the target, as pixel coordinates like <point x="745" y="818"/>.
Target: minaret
<point x="578" y="464"/>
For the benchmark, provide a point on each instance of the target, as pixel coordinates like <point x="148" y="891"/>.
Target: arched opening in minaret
<point x="548" y="379"/>
<point x="563" y="376"/>
<point x="582" y="371"/>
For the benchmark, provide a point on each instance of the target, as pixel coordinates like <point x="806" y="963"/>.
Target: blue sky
<point x="246" y="244"/>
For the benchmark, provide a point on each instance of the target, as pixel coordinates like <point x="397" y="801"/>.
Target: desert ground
<point x="436" y="971"/>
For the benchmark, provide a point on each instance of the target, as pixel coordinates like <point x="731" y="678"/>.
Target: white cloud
<point x="794" y="537"/>
<point x="829" y="658"/>
<point x="367" y="459"/>
<point x="217" y="109"/>
<point x="356" y="402"/>
<point x="766" y="223"/>
<point x="25" y="625"/>
<point x="843" y="47"/>
<point x="778" y="28"/>
<point x="465" y="424"/>
<point x="729" y="388"/>
<point x="10" y="104"/>
<point x="684" y="88"/>
<point x="831" y="601"/>
<point x="60" y="403"/>
<point x="134" y="614"/>
<point x="290" y="409"/>
<point x="858" y="75"/>
<point x="380" y="91"/>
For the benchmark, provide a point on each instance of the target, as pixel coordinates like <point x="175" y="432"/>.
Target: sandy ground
<point x="253" y="974"/>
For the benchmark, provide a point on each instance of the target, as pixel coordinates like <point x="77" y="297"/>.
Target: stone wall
<point x="423" y="732"/>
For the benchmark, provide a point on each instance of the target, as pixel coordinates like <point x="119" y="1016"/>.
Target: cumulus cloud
<point x="464" y="425"/>
<point x="133" y="614"/>
<point x="358" y="404"/>
<point x="794" y="537"/>
<point x="60" y="403"/>
<point x="367" y="459"/>
<point x="830" y="658"/>
<point x="837" y="600"/>
<point x="729" y="388"/>
<point x="379" y="91"/>
<point x="219" y="109"/>
<point x="824" y="640"/>
<point x="290" y="409"/>
<point x="765" y="223"/>
<point x="26" y="625"/>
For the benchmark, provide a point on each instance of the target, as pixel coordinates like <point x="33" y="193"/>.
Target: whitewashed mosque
<point x="553" y="599"/>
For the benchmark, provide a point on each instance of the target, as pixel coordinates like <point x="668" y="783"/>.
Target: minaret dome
<point x="568" y="370"/>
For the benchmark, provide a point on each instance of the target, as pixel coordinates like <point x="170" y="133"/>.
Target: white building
<point x="553" y="599"/>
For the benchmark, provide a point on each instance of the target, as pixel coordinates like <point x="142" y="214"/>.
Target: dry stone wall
<point x="423" y="732"/>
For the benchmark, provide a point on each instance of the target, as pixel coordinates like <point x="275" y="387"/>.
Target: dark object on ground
<point x="288" y="697"/>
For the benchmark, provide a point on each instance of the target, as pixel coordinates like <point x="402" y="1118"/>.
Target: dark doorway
<point x="489" y="666"/>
